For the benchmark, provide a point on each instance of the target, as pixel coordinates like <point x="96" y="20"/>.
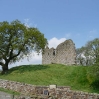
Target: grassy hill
<point x="78" y="77"/>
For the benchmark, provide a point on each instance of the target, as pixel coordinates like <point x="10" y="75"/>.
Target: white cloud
<point x="54" y="42"/>
<point x="35" y="58"/>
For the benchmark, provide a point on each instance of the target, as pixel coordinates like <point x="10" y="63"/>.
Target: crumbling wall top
<point x="63" y="54"/>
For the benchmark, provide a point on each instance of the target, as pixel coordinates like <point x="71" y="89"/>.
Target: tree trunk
<point x="5" y="68"/>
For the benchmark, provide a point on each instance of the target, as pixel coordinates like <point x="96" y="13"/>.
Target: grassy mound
<point x="78" y="77"/>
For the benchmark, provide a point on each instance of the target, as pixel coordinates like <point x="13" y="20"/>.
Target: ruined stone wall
<point x="46" y="92"/>
<point x="64" y="54"/>
<point x="48" y="56"/>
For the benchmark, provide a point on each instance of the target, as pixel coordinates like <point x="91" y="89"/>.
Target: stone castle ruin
<point x="64" y="53"/>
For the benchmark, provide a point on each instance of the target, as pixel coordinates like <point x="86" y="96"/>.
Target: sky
<point x="58" y="20"/>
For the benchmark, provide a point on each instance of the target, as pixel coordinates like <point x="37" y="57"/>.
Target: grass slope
<point x="78" y="77"/>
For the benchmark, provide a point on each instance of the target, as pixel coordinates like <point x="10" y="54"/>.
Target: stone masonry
<point x="65" y="53"/>
<point x="46" y="92"/>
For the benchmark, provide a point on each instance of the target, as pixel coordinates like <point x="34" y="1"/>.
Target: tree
<point x="93" y="49"/>
<point x="17" y="41"/>
<point x="81" y="58"/>
<point x="89" y="54"/>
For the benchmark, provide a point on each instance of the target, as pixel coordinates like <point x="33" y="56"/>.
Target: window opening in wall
<point x="54" y="52"/>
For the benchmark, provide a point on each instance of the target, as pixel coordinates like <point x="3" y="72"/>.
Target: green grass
<point x="9" y="91"/>
<point x="78" y="77"/>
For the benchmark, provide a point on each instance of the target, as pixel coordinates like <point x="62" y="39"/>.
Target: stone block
<point x="52" y="86"/>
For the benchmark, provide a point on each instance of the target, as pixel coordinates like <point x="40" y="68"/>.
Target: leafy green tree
<point x="81" y="59"/>
<point x="92" y="48"/>
<point x="17" y="41"/>
<point x="90" y="51"/>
